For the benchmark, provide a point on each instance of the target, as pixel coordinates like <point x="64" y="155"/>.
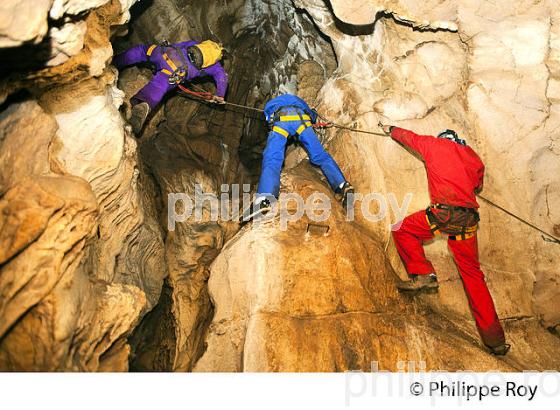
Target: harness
<point x="304" y="119"/>
<point x="461" y="223"/>
<point x="178" y="69"/>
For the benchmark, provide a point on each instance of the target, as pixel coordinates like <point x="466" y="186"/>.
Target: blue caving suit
<point x="291" y="116"/>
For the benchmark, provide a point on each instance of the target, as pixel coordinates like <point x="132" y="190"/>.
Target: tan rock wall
<point x="81" y="257"/>
<point x="287" y="300"/>
<point x="83" y="254"/>
<point x="493" y="81"/>
<point x="490" y="75"/>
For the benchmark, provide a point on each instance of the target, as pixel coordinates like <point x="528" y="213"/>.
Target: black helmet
<point x="451" y="135"/>
<point x="195" y="55"/>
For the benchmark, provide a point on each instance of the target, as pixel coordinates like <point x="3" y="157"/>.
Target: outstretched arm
<point x="134" y="55"/>
<point x="217" y="72"/>
<point x="417" y="143"/>
<point x="186" y="44"/>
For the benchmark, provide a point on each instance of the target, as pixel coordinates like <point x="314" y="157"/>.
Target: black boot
<point x="138" y="118"/>
<point x="344" y="192"/>
<point x="261" y="207"/>
<point x="416" y="283"/>
<point x="500" y="350"/>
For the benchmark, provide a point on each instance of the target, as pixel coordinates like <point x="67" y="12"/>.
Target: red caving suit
<point x="454" y="172"/>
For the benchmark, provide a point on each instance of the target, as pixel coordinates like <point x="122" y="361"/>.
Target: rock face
<point x="30" y="24"/>
<point x="92" y="279"/>
<point x="432" y="80"/>
<point x="293" y="301"/>
<point x="81" y="257"/>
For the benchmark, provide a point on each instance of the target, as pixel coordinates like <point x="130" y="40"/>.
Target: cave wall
<point x="291" y="300"/>
<point x="90" y="278"/>
<point x="488" y="71"/>
<point x="82" y="254"/>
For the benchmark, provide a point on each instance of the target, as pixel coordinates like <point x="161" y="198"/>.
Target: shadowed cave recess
<point x="92" y="279"/>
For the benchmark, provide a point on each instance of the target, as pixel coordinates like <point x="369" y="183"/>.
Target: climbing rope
<point x="547" y="237"/>
<point x="204" y="95"/>
<point x="207" y="96"/>
<point x="343" y="127"/>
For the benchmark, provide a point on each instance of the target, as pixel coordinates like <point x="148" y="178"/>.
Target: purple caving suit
<point x="156" y="89"/>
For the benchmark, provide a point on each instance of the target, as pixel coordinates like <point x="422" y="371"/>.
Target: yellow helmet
<point x="211" y="52"/>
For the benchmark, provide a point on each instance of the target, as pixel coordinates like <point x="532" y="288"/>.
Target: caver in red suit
<point x="455" y="174"/>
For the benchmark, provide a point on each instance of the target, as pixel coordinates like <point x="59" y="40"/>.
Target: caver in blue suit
<point x="288" y="116"/>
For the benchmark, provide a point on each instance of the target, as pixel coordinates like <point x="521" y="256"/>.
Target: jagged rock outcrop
<point x="68" y="44"/>
<point x="28" y="25"/>
<point x="82" y="252"/>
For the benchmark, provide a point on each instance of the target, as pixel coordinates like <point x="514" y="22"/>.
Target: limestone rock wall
<point x="82" y="255"/>
<point x="290" y="300"/>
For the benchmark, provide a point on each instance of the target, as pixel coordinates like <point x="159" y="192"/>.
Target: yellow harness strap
<point x="295" y="118"/>
<point x="169" y="62"/>
<point x="460" y="237"/>
<point x="286" y="134"/>
<point x="151" y="50"/>
<point x="303" y="127"/>
<point x="281" y="131"/>
<point x="432" y="226"/>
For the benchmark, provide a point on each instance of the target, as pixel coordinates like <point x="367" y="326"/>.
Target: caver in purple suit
<point x="156" y="89"/>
